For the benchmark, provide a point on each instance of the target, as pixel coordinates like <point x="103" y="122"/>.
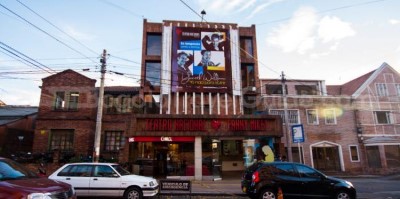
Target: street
<point x="368" y="187"/>
<point x="377" y="188"/>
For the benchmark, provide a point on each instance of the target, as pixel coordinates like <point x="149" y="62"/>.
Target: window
<point x="307" y="172"/>
<point x="73" y="101"/>
<point x="381" y="90"/>
<point x="113" y="141"/>
<point x="153" y="44"/>
<point x="104" y="171"/>
<point x="383" y="117"/>
<point x="62" y="139"/>
<point x="398" y="89"/>
<point x="392" y="153"/>
<point x="293" y="115"/>
<point x="246" y="47"/>
<point x="76" y="171"/>
<point x="61" y="103"/>
<point x="306" y="89"/>
<point x="248" y="78"/>
<point x="275" y="89"/>
<point x="285" y="169"/>
<point x="330" y="116"/>
<point x="118" y="104"/>
<point x="153" y="74"/>
<point x="312" y="116"/>
<point x="354" y="157"/>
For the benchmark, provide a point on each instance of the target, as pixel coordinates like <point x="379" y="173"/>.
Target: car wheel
<point x="341" y="194"/>
<point x="267" y="194"/>
<point x="133" y="193"/>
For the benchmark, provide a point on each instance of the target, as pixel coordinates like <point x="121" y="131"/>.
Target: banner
<point x="200" y="60"/>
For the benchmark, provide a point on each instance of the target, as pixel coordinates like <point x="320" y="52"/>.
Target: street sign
<point x="297" y="133"/>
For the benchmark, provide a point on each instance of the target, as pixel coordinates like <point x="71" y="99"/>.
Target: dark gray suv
<point x="293" y="180"/>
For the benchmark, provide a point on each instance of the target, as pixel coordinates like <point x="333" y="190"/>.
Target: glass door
<point x="216" y="160"/>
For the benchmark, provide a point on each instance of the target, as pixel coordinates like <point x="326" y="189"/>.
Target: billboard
<point x="200" y="60"/>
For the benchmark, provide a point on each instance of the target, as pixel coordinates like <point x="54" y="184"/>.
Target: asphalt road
<point x="368" y="187"/>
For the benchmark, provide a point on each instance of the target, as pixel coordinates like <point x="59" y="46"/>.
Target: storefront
<point x="201" y="148"/>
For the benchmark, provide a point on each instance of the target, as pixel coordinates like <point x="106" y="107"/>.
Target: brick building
<point x="17" y="124"/>
<point x="193" y="115"/>
<point x="350" y="127"/>
<point x="376" y="101"/>
<point x="67" y="115"/>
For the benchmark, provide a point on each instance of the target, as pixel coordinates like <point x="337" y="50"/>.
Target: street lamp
<point x="20" y="138"/>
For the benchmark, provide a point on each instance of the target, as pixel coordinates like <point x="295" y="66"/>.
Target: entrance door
<point x="216" y="159"/>
<point x="326" y="158"/>
<point x="160" y="154"/>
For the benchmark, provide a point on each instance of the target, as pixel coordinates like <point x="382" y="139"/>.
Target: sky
<point x="331" y="40"/>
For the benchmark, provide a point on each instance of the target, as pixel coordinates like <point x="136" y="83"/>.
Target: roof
<point x="382" y="141"/>
<point x="357" y="85"/>
<point x="68" y="71"/>
<point x="352" y="86"/>
<point x="9" y="114"/>
<point x="333" y="90"/>
<point x="122" y="89"/>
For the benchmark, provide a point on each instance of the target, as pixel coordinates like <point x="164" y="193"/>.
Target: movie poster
<point x="200" y="60"/>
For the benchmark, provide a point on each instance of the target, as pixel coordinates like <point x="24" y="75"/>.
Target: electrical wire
<point x="48" y="34"/>
<point x="94" y="52"/>
<point x="10" y="49"/>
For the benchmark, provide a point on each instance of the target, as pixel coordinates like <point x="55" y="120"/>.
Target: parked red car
<point x="18" y="182"/>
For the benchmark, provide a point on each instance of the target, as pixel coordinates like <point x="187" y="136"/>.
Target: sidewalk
<point x="209" y="190"/>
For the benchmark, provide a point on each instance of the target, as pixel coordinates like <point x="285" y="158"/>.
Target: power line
<point x="122" y="8"/>
<point x="58" y="28"/>
<point x="49" y="70"/>
<point x="48" y="34"/>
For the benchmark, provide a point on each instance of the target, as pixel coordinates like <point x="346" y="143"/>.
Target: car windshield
<point x="10" y="170"/>
<point x="121" y="170"/>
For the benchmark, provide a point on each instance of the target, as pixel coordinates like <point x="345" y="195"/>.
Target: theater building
<point x="200" y="86"/>
<point x="195" y="114"/>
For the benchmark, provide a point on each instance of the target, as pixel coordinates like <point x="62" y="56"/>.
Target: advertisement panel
<point x="200" y="60"/>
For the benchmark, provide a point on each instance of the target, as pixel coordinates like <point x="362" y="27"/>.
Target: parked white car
<point x="105" y="179"/>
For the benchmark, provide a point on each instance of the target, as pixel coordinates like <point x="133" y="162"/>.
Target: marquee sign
<point x="204" y="124"/>
<point x="160" y="139"/>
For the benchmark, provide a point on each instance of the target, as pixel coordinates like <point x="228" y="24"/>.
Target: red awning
<point x="160" y="139"/>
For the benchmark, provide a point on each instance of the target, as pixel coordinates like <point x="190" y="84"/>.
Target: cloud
<point x="80" y="36"/>
<point x="334" y="29"/>
<point x="394" y="21"/>
<point x="261" y="7"/>
<point x="247" y="5"/>
<point x="227" y="7"/>
<point x="306" y="30"/>
<point x="221" y="7"/>
<point x="297" y="34"/>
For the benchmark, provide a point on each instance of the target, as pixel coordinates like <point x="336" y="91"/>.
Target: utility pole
<point x="97" y="136"/>
<point x="288" y="137"/>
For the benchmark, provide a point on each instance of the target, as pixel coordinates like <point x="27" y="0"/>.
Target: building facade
<point x="199" y="83"/>
<point x="327" y="123"/>
<point x="376" y="99"/>
<point x="193" y="115"/>
<point x="17" y="124"/>
<point x="347" y="128"/>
